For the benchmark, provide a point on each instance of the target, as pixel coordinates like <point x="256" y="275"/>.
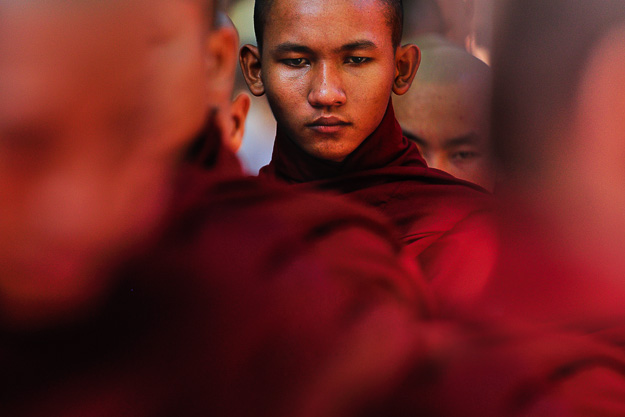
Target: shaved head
<point x="395" y="18"/>
<point x="449" y="18"/>
<point x="422" y="16"/>
<point x="446" y="112"/>
<point x="98" y="102"/>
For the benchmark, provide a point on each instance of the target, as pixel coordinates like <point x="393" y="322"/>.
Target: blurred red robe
<point x="246" y="294"/>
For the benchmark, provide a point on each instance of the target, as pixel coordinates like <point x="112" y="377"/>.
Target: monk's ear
<point x="221" y="61"/>
<point x="249" y="58"/>
<point x="407" y="60"/>
<point x="238" y="111"/>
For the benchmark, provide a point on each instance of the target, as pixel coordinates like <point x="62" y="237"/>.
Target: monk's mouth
<point x="328" y="125"/>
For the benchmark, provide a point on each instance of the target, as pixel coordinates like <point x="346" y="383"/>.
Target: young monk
<point x="330" y="91"/>
<point x="447" y="112"/>
<point x="134" y="284"/>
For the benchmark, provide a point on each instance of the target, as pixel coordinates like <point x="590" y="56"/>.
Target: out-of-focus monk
<point x="330" y="91"/>
<point x="447" y="112"/>
<point x="559" y="127"/>
<point x="135" y="284"/>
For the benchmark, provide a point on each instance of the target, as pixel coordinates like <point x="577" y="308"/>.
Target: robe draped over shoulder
<point x="243" y="301"/>
<point x="445" y="222"/>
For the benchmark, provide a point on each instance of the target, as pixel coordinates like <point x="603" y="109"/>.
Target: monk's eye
<point x="464" y="156"/>
<point x="357" y="60"/>
<point x="295" y="62"/>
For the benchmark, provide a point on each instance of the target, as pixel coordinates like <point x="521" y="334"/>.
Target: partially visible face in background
<point x="446" y="112"/>
<point x="97" y="102"/>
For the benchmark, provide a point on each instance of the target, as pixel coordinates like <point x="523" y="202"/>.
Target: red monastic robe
<point x="245" y="302"/>
<point x="256" y="300"/>
<point x="537" y="279"/>
<point x="505" y="370"/>
<point x="442" y="220"/>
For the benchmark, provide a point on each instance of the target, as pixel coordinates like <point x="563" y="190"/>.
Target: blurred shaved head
<point x="447" y="112"/>
<point x="98" y="101"/>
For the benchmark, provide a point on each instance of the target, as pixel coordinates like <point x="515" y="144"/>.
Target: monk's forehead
<point x="290" y="20"/>
<point x="106" y="18"/>
<point x="48" y="47"/>
<point x="448" y="80"/>
<point x="39" y="23"/>
<point x="54" y="53"/>
<point x="421" y="102"/>
<point x="292" y="8"/>
<point x="443" y="107"/>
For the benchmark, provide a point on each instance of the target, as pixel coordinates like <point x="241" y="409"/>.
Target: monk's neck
<point x="384" y="147"/>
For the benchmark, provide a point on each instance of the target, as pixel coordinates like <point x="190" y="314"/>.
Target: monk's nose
<point x="326" y="89"/>
<point x="437" y="160"/>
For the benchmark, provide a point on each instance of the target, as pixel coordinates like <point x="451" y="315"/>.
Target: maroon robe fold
<point x="538" y="279"/>
<point x="504" y="370"/>
<point x="444" y="221"/>
<point x="256" y="300"/>
<point x="244" y="299"/>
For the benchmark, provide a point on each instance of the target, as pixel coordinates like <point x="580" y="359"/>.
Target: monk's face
<point x="450" y="127"/>
<point x="328" y="68"/>
<point x="97" y="100"/>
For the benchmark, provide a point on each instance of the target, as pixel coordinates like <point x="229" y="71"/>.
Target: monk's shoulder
<point x="288" y="211"/>
<point x="247" y="228"/>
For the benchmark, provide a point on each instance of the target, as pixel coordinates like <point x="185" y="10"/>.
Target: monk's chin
<point x="329" y="147"/>
<point x="334" y="152"/>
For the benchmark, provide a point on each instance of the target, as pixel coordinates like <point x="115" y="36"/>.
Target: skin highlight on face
<point x="328" y="69"/>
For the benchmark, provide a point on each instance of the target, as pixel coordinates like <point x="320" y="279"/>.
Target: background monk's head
<point x="447" y="113"/>
<point x="448" y="18"/>
<point x="328" y="68"/>
<point x="97" y="102"/>
<point x="232" y="111"/>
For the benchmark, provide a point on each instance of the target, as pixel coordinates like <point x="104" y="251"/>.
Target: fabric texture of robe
<point x="538" y="279"/>
<point x="445" y="222"/>
<point x="245" y="300"/>
<point x="256" y="300"/>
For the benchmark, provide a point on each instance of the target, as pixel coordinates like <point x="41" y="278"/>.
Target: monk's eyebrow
<point x="357" y="46"/>
<point x="468" y="139"/>
<point x="415" y="138"/>
<point x="287" y="47"/>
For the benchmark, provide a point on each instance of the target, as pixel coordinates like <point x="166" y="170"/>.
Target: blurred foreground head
<point x="559" y="128"/>
<point x="98" y="101"/>
<point x="447" y="112"/>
